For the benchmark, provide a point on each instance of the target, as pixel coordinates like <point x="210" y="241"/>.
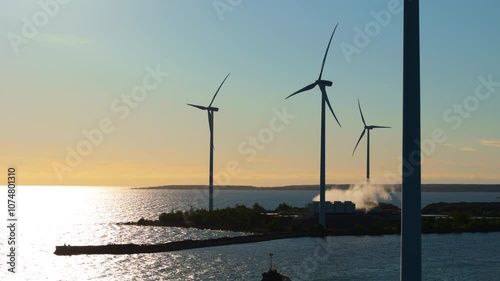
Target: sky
<point x="95" y="92"/>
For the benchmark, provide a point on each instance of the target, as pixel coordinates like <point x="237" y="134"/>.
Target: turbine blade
<point x="198" y="106"/>
<point x="362" y="134"/>
<point x="219" y="89"/>
<point x="326" y="53"/>
<point x="384" y="127"/>
<point x="306" y="88"/>
<point x="323" y="92"/>
<point x="361" y="112"/>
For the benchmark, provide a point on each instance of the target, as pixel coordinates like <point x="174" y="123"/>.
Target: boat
<point x="273" y="274"/>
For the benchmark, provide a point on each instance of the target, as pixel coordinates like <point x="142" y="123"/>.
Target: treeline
<point x="490" y="209"/>
<point x="459" y="223"/>
<point x="238" y="218"/>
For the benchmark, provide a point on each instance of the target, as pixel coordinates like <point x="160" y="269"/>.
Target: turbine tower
<point x="367" y="129"/>
<point x="324" y="100"/>
<point x="411" y="243"/>
<point x="210" y="110"/>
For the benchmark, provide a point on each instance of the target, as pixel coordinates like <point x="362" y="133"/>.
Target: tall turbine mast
<point x="411" y="247"/>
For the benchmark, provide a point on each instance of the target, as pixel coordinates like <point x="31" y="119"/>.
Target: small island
<point x="284" y="219"/>
<point x="291" y="222"/>
<point x="383" y="219"/>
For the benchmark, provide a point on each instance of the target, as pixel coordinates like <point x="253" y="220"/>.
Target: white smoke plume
<point x="365" y="196"/>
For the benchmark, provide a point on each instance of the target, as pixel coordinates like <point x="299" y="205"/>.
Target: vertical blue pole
<point x="411" y="256"/>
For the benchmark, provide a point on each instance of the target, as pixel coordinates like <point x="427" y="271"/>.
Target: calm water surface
<point x="50" y="216"/>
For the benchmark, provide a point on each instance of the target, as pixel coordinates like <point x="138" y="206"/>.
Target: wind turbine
<point x="324" y="100"/>
<point x="366" y="128"/>
<point x="210" y="110"/>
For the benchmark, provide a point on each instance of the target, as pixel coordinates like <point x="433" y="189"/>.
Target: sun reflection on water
<point x="50" y="216"/>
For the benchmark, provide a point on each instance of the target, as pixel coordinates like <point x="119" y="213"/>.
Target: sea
<point x="48" y="216"/>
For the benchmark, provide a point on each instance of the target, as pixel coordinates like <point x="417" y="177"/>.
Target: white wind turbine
<point x="210" y="109"/>
<point x="367" y="128"/>
<point x="324" y="101"/>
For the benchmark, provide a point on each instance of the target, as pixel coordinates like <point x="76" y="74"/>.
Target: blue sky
<point x="65" y="78"/>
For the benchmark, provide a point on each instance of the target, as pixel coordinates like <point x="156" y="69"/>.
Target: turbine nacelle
<point x="324" y="83"/>
<point x="210" y="108"/>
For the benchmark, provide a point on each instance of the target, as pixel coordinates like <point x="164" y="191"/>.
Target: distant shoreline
<point x="425" y="187"/>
